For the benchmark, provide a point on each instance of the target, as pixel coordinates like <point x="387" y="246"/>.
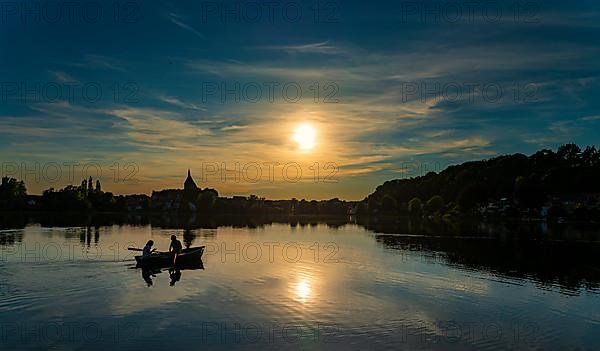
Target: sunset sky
<point x="388" y="90"/>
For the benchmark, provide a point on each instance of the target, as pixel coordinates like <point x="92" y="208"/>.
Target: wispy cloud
<point x="154" y="128"/>
<point x="277" y="71"/>
<point x="310" y="48"/>
<point x="178" y="20"/>
<point x="177" y="102"/>
<point x="233" y="127"/>
<point x="26" y="127"/>
<point x="63" y="77"/>
<point x="95" y="61"/>
<point x="591" y="118"/>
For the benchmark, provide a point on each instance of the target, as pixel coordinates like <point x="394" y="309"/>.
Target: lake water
<point x="298" y="287"/>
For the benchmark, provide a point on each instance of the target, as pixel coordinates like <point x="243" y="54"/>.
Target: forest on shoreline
<point x="560" y="184"/>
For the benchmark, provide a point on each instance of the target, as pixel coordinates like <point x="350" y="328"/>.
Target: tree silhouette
<point x="84" y="188"/>
<point x="12" y="194"/>
<point x="528" y="182"/>
<point x="570" y="153"/>
<point x="415" y="207"/>
<point x="434" y="204"/>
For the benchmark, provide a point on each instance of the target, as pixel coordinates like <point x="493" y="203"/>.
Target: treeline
<point x="76" y="198"/>
<point x="561" y="183"/>
<point x="513" y="182"/>
<point x="13" y="194"/>
<point x="89" y="196"/>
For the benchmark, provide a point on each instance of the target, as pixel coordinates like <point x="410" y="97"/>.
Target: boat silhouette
<point x="187" y="258"/>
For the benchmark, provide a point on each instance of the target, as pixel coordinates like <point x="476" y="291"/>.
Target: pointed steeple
<point x="189" y="183"/>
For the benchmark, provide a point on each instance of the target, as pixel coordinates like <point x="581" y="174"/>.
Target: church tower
<point x="189" y="185"/>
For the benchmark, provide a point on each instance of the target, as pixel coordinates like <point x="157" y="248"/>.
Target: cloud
<point x="94" y="61"/>
<point x="277" y="71"/>
<point x="176" y="102"/>
<point x="312" y="48"/>
<point x="473" y="143"/>
<point x="437" y="133"/>
<point x="160" y="129"/>
<point x="99" y="61"/>
<point x="63" y="77"/>
<point x="178" y="20"/>
<point x="233" y="127"/>
<point x="26" y="127"/>
<point x="591" y="118"/>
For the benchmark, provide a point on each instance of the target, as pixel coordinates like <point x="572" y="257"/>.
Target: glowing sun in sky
<point x="305" y="136"/>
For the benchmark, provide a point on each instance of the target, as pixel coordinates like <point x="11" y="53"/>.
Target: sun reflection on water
<point x="303" y="290"/>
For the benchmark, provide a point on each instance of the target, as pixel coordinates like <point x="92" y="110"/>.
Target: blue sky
<point x="145" y="90"/>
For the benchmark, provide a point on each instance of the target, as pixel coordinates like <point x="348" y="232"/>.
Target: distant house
<point x="544" y="211"/>
<point x="166" y="200"/>
<point x="352" y="210"/>
<point x="501" y="207"/>
<point x="176" y="199"/>
<point x="137" y="202"/>
<point x="33" y="201"/>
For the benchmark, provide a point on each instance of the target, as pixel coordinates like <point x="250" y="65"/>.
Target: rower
<point x="175" y="247"/>
<point x="148" y="250"/>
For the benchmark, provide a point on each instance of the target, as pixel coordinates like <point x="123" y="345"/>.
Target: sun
<point x="305" y="136"/>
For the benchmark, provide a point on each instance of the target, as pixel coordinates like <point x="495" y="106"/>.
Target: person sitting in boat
<point x="148" y="250"/>
<point x="175" y="246"/>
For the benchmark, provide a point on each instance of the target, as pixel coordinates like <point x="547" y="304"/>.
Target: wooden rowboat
<point x="165" y="259"/>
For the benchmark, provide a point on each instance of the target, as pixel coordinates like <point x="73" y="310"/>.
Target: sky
<point x="137" y="92"/>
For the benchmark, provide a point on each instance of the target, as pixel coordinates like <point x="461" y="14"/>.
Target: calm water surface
<point x="296" y="287"/>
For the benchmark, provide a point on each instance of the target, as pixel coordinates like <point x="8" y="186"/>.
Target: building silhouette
<point x="177" y="199"/>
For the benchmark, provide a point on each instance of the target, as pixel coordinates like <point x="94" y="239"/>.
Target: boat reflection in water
<point x="149" y="272"/>
<point x="190" y="258"/>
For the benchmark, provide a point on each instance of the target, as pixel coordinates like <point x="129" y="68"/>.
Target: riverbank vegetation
<point x="561" y="184"/>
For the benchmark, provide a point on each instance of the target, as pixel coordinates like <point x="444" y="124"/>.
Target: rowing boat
<point x="164" y="259"/>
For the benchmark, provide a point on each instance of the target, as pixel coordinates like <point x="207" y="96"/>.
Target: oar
<point x="136" y="249"/>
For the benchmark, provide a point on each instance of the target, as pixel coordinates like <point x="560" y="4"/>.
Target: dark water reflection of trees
<point x="563" y="255"/>
<point x="571" y="265"/>
<point x="550" y="254"/>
